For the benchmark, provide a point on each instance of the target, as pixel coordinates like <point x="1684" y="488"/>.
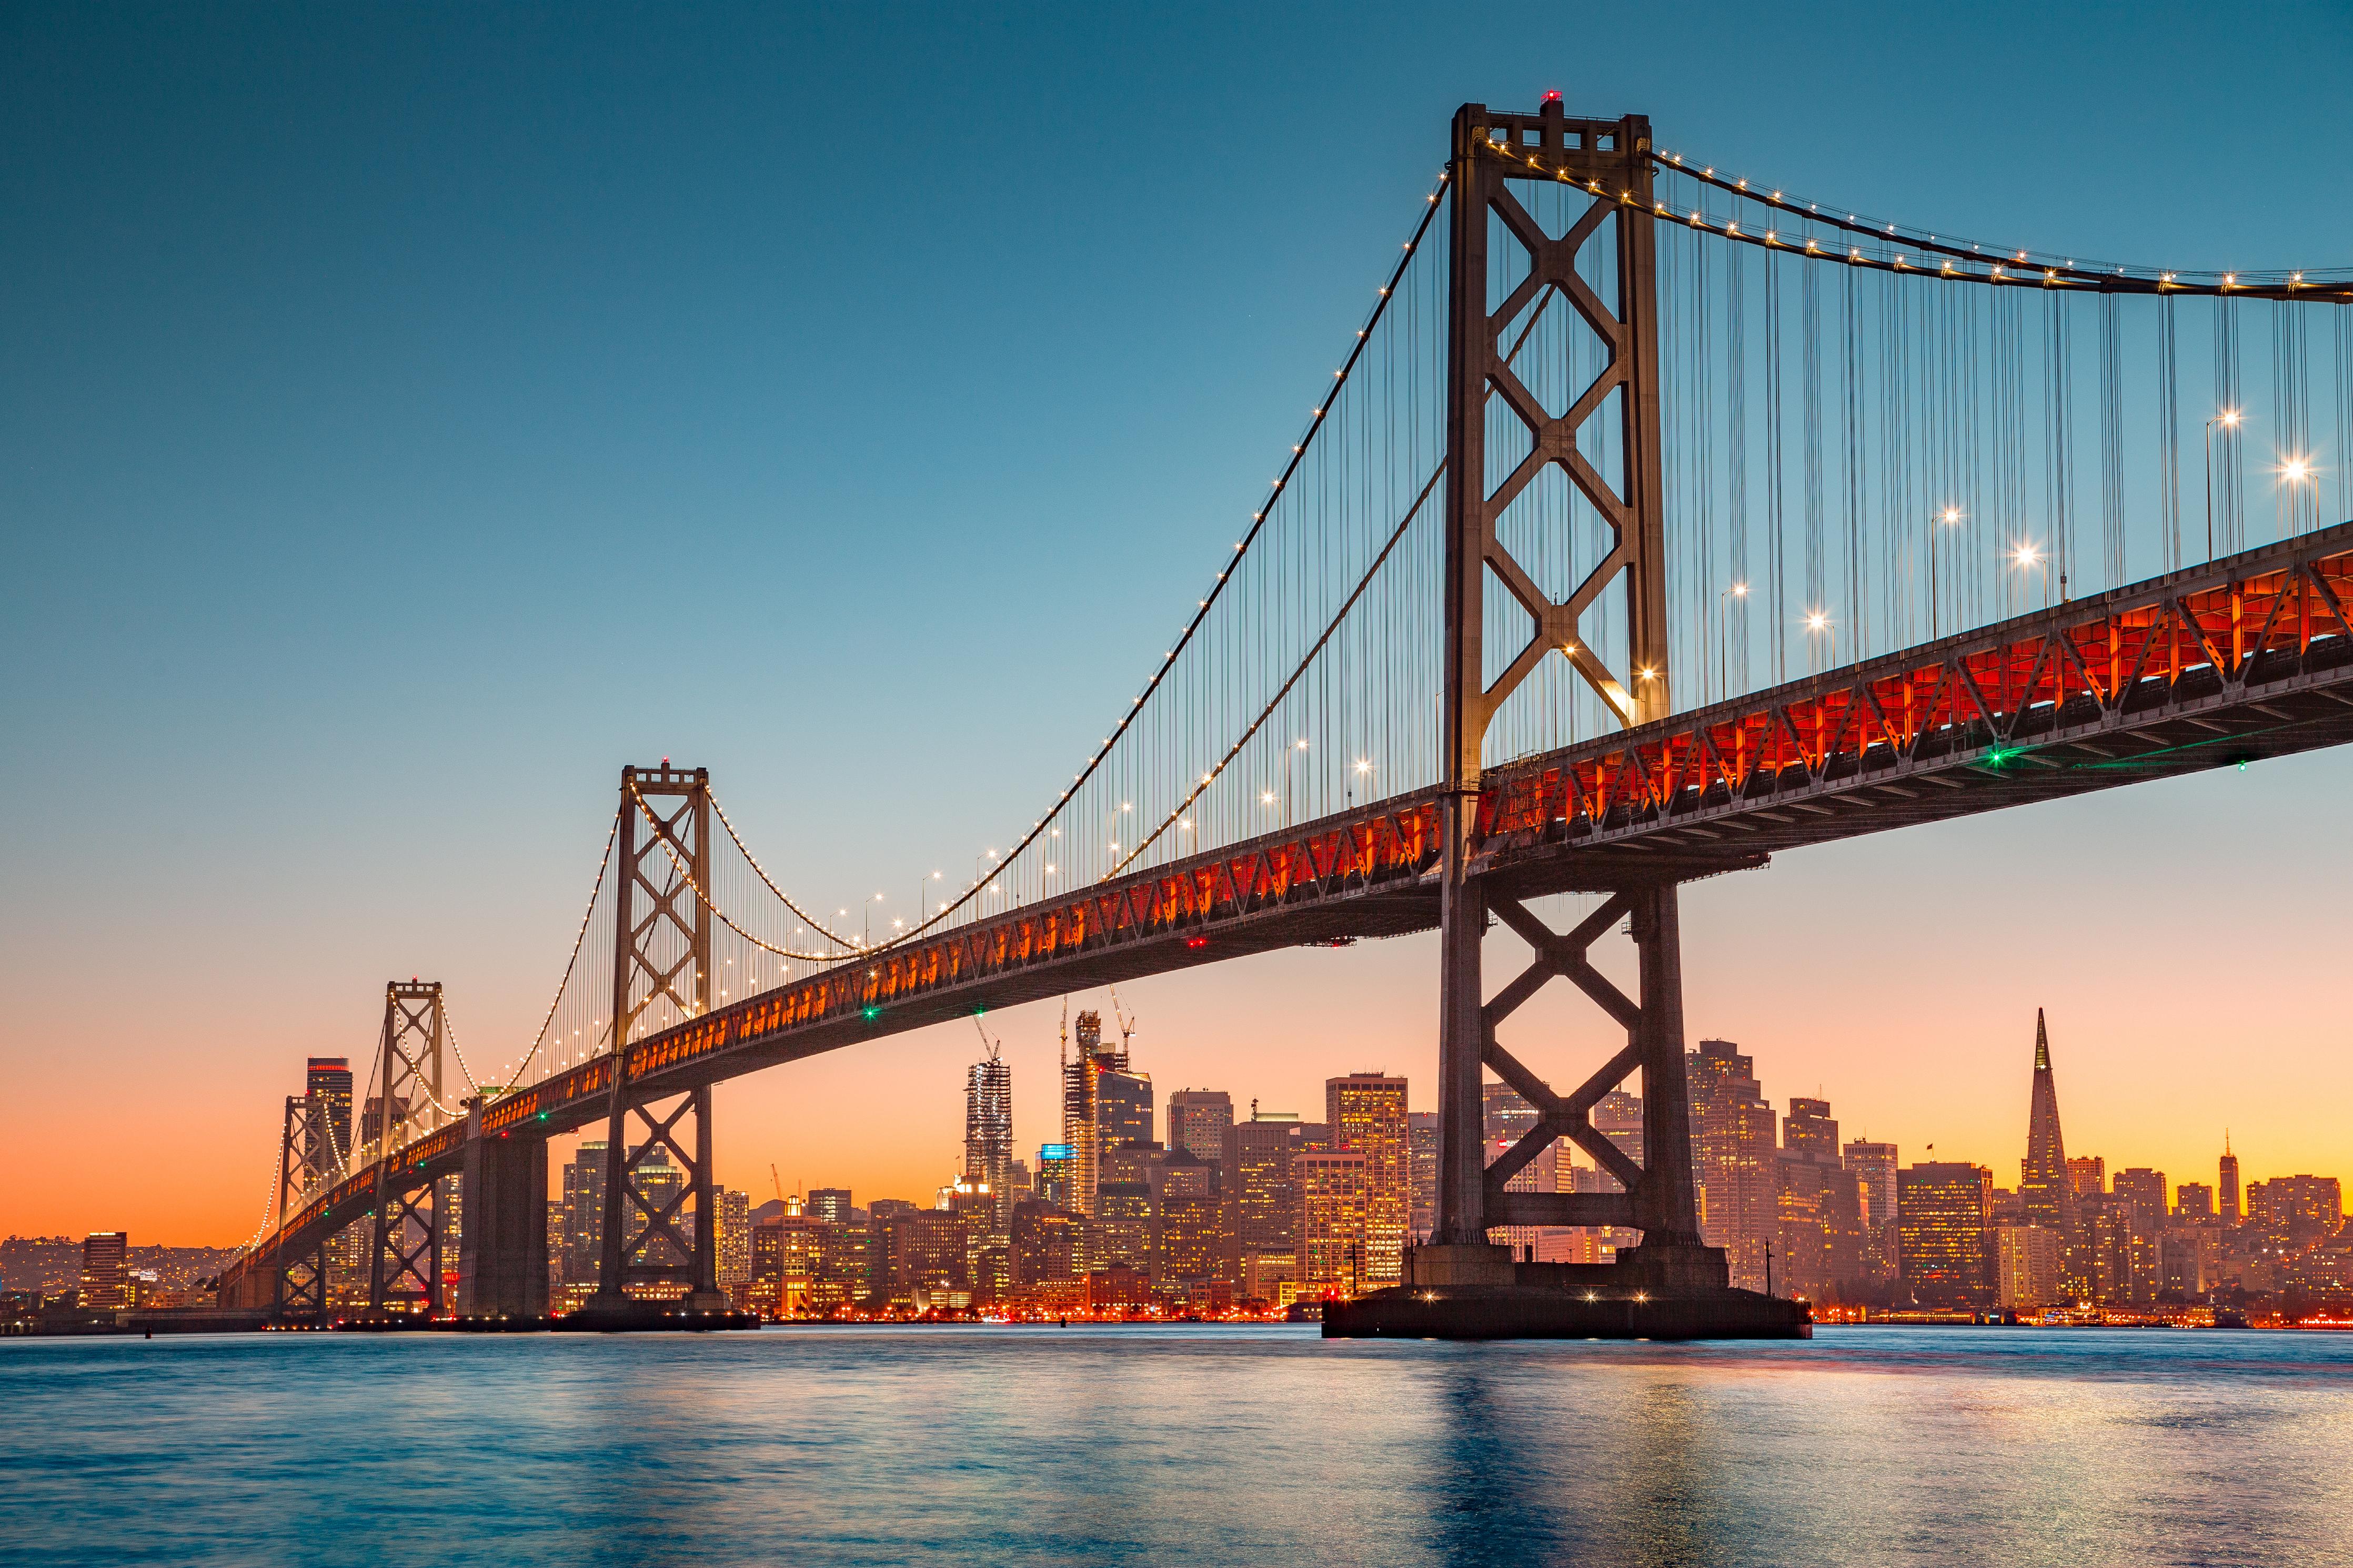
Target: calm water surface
<point x="1179" y="1445"/>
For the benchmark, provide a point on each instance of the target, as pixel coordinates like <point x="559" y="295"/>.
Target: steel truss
<point x="661" y="962"/>
<point x="1617" y="154"/>
<point x="299" y="1292"/>
<point x="404" y="1258"/>
<point x="1659" y="1199"/>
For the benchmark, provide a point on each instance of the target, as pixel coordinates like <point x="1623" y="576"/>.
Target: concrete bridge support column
<point x="503" y="1247"/>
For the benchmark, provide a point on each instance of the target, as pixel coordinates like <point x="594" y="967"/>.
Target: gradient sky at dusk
<point x="412" y="416"/>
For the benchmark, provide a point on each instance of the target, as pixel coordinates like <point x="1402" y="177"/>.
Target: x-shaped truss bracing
<point x="405" y="1272"/>
<point x="1656" y="1199"/>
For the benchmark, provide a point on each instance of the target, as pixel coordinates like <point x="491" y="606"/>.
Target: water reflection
<point x="1179" y="1445"/>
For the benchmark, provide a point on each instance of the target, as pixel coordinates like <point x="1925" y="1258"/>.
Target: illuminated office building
<point x="1944" y="1215"/>
<point x="1335" y="1222"/>
<point x="1366" y="1115"/>
<point x="1198" y="1120"/>
<point x="106" y="1271"/>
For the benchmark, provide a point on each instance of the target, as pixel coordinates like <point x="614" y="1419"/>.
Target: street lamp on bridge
<point x="2229" y="419"/>
<point x="1949" y="517"/>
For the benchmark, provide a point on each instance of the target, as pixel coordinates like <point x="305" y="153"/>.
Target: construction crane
<point x="1126" y="1022"/>
<point x="778" y="1180"/>
<point x="993" y="1046"/>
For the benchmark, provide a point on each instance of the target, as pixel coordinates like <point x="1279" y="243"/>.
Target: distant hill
<point x="53" y="1263"/>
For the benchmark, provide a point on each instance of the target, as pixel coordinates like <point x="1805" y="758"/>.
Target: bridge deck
<point x="2249" y="656"/>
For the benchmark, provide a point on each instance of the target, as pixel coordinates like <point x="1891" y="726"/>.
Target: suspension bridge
<point x="1658" y="518"/>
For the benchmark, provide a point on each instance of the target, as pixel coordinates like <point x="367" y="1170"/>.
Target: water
<point x="1179" y="1445"/>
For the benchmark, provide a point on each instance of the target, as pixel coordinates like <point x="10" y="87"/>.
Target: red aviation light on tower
<point x="1553" y="96"/>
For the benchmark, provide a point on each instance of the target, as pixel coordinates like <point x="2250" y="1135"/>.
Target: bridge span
<point x="1613" y="417"/>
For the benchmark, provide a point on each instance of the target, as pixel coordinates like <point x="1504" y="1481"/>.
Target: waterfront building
<point x="1122" y="1227"/>
<point x="1047" y="1244"/>
<point x="1735" y="1154"/>
<point x="106" y="1271"/>
<point x="2184" y="1258"/>
<point x="927" y="1252"/>
<point x="1335" y="1221"/>
<point x="2029" y="1260"/>
<point x="732" y="1239"/>
<point x="1367" y="1113"/>
<point x="1189" y="1243"/>
<point x="1944" y="1210"/>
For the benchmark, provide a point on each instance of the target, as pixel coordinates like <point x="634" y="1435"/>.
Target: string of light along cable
<point x="1431" y="207"/>
<point x="1275" y="702"/>
<point x="2302" y="284"/>
<point x="2014" y="268"/>
<point x="707" y="902"/>
<point x="782" y="896"/>
<point x="604" y="866"/>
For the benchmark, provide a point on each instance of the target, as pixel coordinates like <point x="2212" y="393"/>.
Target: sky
<point x="412" y="415"/>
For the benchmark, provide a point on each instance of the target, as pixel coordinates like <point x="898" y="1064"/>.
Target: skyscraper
<point x="329" y="1139"/>
<point x="1367" y="1113"/>
<point x="2045" y="1191"/>
<point x="1421" y="1162"/>
<point x="2228" y="1184"/>
<point x="1335" y="1222"/>
<point x="1736" y="1159"/>
<point x="584" y="1211"/>
<point x="988" y="1132"/>
<point x="2087" y="1177"/>
<point x="830" y="1204"/>
<point x="1262" y="1185"/>
<point x="1874" y="1165"/>
<point x="1103" y="1105"/>
<point x="1808" y="1132"/>
<point x="2144" y="1189"/>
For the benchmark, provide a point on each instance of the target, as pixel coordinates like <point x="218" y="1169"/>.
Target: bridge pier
<point x="1461" y="1285"/>
<point x="502" y="1249"/>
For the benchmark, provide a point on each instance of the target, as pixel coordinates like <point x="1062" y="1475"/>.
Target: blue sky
<point x="413" y="414"/>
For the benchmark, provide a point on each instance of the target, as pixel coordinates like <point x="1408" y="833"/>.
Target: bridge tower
<point x="1495" y="155"/>
<point x="662" y="966"/>
<point x="405" y="1262"/>
<point x="299" y="1291"/>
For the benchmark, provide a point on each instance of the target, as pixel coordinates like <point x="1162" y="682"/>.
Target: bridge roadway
<point x="2249" y="656"/>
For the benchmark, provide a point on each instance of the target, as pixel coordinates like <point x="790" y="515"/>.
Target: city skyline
<point x="156" y="868"/>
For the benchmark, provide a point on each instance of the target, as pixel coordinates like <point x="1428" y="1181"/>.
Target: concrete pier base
<point x="1651" y="1293"/>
